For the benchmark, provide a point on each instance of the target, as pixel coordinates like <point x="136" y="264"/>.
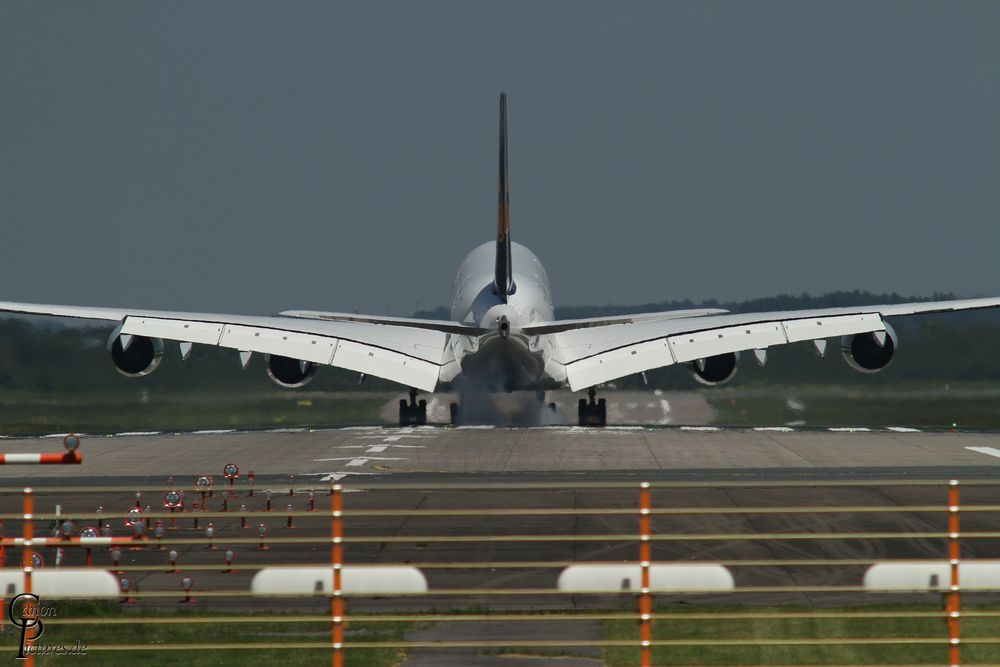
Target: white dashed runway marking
<point x="388" y="438"/>
<point x="665" y="408"/>
<point x="989" y="451"/>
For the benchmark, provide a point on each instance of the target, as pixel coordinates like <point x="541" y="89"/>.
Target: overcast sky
<point x="257" y="156"/>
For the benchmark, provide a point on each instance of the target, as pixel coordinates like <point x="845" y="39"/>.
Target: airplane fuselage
<point x="504" y="359"/>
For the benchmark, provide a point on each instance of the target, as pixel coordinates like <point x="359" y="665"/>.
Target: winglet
<point x="502" y="278"/>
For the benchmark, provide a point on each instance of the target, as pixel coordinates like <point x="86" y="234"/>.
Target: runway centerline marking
<point x="354" y="462"/>
<point x="337" y="476"/>
<point x="989" y="451"/>
<point x="388" y="445"/>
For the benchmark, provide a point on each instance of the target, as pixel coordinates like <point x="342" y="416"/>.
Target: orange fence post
<point x="27" y="565"/>
<point x="337" y="560"/>
<point x="954" y="606"/>
<point x="645" y="556"/>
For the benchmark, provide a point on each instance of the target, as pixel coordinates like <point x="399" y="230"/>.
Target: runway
<point x="475" y="456"/>
<point x="657" y="453"/>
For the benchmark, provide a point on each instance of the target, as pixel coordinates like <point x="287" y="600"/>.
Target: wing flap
<point x="307" y="347"/>
<point x="618" y="363"/>
<point x="704" y="340"/>
<point x="384" y="363"/>
<point x="701" y="344"/>
<point x="812" y="328"/>
<point x="400" y="354"/>
<point x="205" y="333"/>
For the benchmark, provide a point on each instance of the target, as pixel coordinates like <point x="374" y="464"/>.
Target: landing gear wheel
<point x="412" y="413"/>
<point x="591" y="412"/>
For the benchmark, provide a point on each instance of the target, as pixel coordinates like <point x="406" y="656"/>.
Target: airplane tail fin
<point x="503" y="280"/>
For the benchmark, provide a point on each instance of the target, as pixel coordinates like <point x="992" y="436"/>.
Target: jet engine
<point x="715" y="370"/>
<point x="288" y="372"/>
<point x="135" y="356"/>
<point x="869" y="352"/>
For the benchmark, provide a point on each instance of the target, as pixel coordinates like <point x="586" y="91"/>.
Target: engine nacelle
<point x="715" y="370"/>
<point x="863" y="352"/>
<point x="140" y="357"/>
<point x="288" y="372"/>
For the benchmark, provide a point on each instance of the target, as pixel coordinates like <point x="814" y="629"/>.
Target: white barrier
<point x="628" y="577"/>
<point x="68" y="582"/>
<point x="933" y="575"/>
<point x="354" y="579"/>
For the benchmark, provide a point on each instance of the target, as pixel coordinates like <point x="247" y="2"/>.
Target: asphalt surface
<point x="328" y="454"/>
<point x="481" y="456"/>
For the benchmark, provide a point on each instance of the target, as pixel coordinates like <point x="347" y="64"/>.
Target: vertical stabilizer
<point x="502" y="278"/>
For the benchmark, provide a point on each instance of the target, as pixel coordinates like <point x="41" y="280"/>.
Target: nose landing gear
<point x="593" y="413"/>
<point x="413" y="413"/>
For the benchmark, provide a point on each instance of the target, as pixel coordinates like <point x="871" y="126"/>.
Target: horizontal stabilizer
<point x="414" y="323"/>
<point x="557" y="326"/>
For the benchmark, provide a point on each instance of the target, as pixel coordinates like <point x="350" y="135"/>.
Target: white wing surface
<point x="600" y="354"/>
<point x="408" y="355"/>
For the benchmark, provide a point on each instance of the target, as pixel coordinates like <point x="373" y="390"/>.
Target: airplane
<point x="502" y="335"/>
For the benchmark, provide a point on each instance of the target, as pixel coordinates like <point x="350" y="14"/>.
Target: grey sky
<point x="250" y="157"/>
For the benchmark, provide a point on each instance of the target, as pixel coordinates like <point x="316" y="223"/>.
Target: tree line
<point x="41" y="355"/>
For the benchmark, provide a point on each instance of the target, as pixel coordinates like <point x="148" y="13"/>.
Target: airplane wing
<point x="594" y="355"/>
<point x="434" y="325"/>
<point x="409" y="355"/>
<point x="555" y="326"/>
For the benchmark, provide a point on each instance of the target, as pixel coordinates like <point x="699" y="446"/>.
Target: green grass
<point x="107" y="413"/>
<point x="864" y="654"/>
<point x="928" y="407"/>
<point x="190" y="634"/>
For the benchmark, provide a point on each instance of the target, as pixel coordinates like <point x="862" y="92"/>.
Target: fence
<point x="583" y="552"/>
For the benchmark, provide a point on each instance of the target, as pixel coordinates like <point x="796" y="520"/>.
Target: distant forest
<point x="39" y="355"/>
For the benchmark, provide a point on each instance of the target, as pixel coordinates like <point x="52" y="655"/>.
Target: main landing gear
<point x="593" y="413"/>
<point x="413" y="413"/>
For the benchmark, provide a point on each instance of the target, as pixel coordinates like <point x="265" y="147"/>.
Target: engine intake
<point x="715" y="370"/>
<point x="865" y="353"/>
<point x="288" y="372"/>
<point x="140" y="357"/>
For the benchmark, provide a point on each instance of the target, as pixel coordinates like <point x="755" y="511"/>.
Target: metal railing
<point x="353" y="521"/>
